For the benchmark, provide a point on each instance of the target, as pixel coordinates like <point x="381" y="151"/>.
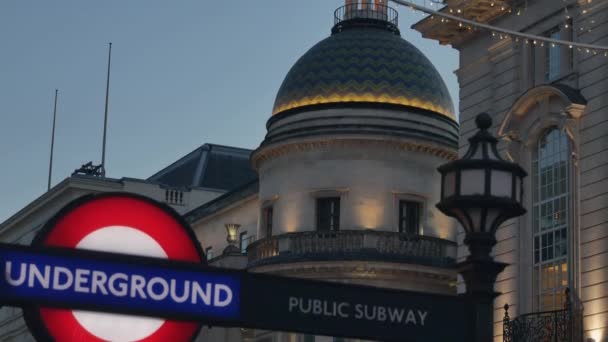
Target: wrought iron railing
<point x="352" y="244"/>
<point x="366" y="11"/>
<point x="547" y="326"/>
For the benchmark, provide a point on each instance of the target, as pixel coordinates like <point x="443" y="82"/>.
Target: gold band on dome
<point x="369" y="98"/>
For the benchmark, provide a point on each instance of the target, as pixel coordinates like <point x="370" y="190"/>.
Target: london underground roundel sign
<point x="117" y="223"/>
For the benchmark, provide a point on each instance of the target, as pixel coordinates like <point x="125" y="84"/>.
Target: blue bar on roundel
<point x="138" y="285"/>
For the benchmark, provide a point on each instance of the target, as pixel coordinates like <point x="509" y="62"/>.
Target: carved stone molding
<point x="360" y="270"/>
<point x="266" y="153"/>
<point x="531" y="115"/>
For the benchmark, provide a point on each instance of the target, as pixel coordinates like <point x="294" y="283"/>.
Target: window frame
<point x="242" y="238"/>
<point x="403" y="227"/>
<point x="546" y="241"/>
<point x="536" y="56"/>
<point x="335" y="217"/>
<point x="555" y="51"/>
<point x="537" y="110"/>
<point x="267" y="223"/>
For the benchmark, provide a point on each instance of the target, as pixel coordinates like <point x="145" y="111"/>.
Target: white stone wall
<point x="369" y="178"/>
<point x="493" y="74"/>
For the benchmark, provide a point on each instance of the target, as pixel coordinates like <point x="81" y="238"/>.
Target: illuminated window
<point x="551" y="214"/>
<point x="409" y="217"/>
<point x="244" y="241"/>
<point x="553" y="56"/>
<point x="328" y="214"/>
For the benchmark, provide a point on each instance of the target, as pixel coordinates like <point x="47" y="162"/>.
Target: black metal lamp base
<point x="479" y="276"/>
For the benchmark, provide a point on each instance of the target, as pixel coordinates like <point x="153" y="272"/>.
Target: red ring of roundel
<point x="94" y="212"/>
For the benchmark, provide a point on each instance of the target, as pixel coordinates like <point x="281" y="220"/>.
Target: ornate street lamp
<point x="481" y="190"/>
<point x="232" y="233"/>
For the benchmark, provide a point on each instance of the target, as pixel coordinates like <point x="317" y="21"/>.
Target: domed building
<point x="347" y="180"/>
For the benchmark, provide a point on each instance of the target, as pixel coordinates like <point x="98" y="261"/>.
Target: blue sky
<point x="183" y="73"/>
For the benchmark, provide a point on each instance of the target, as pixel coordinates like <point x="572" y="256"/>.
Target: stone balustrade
<point x="370" y="245"/>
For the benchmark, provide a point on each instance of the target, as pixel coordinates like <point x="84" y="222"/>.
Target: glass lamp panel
<point x="501" y="183"/>
<point x="232" y="232"/>
<point x="449" y="184"/>
<point x="472" y="182"/>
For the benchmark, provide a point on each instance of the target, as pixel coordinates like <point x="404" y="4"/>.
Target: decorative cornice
<point x="358" y="270"/>
<point x="266" y="153"/>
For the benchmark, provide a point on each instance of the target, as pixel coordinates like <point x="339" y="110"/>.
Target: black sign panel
<point x="129" y="284"/>
<point x="333" y="309"/>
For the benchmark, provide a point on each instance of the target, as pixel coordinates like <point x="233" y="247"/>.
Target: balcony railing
<point x="366" y="11"/>
<point x="352" y="245"/>
<point x="547" y="326"/>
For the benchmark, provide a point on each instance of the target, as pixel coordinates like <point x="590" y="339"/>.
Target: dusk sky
<point x="183" y="73"/>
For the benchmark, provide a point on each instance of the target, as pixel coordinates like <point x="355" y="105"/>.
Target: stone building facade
<point x="549" y="105"/>
<point x="342" y="188"/>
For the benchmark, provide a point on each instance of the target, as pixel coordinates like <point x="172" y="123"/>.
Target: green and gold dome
<point x="365" y="60"/>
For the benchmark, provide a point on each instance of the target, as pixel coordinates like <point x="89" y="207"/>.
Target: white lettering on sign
<point x="318" y="307"/>
<point x="58" y="278"/>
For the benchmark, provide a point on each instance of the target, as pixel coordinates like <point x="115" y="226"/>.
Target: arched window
<point x="551" y="226"/>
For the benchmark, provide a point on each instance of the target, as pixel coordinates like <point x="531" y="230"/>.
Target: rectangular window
<point x="243" y="242"/>
<point x="550" y="168"/>
<point x="553" y="57"/>
<point x="409" y="217"/>
<point x="267" y="221"/>
<point x="209" y="253"/>
<point x="328" y="214"/>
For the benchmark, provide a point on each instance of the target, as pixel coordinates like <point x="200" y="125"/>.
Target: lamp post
<point x="481" y="190"/>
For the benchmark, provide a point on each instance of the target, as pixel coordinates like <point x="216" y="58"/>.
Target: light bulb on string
<point x="503" y="33"/>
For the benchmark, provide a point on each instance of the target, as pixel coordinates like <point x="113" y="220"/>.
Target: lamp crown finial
<point x="483" y="121"/>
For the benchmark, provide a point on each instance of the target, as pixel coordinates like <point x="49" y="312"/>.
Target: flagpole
<point x="105" y="118"/>
<point x="52" y="141"/>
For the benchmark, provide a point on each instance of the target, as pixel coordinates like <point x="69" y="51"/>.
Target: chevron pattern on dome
<point x="364" y="65"/>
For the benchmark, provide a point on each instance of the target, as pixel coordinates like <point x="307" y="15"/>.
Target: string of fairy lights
<point x="457" y="15"/>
